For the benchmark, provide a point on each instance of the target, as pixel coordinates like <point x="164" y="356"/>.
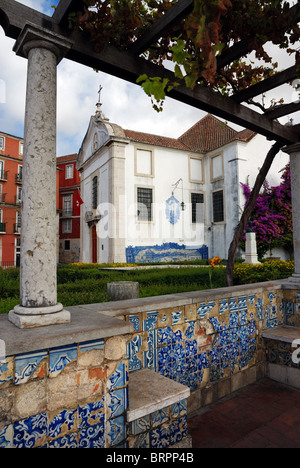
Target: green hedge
<point x="87" y="284"/>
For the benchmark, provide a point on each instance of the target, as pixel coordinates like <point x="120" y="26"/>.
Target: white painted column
<point x="38" y="283"/>
<point x="294" y="152"/>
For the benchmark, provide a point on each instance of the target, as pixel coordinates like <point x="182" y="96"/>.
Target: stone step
<point x="150" y="391"/>
<point x="285" y="333"/>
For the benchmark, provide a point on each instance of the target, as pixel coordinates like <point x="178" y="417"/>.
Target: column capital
<point x="33" y="36"/>
<point x="295" y="148"/>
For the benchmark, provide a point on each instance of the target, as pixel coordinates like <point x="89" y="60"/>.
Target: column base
<point x="27" y="317"/>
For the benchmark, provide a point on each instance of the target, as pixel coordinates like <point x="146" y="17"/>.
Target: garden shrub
<point x="269" y="270"/>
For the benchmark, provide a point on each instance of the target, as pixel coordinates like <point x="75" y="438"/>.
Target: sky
<point x="123" y="103"/>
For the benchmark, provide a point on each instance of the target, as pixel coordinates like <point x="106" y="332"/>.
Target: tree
<point x="196" y="43"/>
<point x="271" y="218"/>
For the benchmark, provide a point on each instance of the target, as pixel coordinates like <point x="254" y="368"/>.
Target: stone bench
<point x="282" y="347"/>
<point x="157" y="413"/>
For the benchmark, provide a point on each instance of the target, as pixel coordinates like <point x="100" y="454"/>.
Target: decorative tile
<point x="190" y="331"/>
<point x="160" y="437"/>
<point x="178" y="430"/>
<point x="176" y="316"/>
<point x="159" y="417"/>
<point x="150" y="322"/>
<point x="6" y="369"/>
<point x="26" y="364"/>
<point x="178" y="409"/>
<point x="6" y="437"/>
<point x="259" y="309"/>
<point x="30" y="432"/>
<point x="64" y="421"/>
<point x="135" y="320"/>
<point x="92" y="437"/>
<point x="150" y="356"/>
<point x="141" y="441"/>
<point x="91" y="414"/>
<point x="223" y="306"/>
<point x="90" y="345"/>
<point x="133" y="349"/>
<point x="205" y="309"/>
<point x="140" y="425"/>
<point x="60" y="357"/>
<point x="233" y="307"/>
<point x="67" y="441"/>
<point x="116" y="403"/>
<point x="119" y="377"/>
<point x="242" y="302"/>
<point x="116" y="431"/>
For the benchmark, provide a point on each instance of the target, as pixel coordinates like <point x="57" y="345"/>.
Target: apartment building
<point x="69" y="209"/>
<point x="11" y="158"/>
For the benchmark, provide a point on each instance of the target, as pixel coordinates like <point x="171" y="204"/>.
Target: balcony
<point x="3" y="176"/>
<point x="2" y="228"/>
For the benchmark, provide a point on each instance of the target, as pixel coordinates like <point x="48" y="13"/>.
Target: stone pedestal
<point x="294" y="152"/>
<point x="122" y="290"/>
<point x="251" y="249"/>
<point x="38" y="283"/>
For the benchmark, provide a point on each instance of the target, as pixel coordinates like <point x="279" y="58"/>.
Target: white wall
<point x="169" y="166"/>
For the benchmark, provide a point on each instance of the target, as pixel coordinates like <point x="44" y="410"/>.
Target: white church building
<point x="149" y="198"/>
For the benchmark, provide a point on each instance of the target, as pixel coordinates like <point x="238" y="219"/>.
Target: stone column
<point x="251" y="249"/>
<point x="294" y="152"/>
<point x="38" y="283"/>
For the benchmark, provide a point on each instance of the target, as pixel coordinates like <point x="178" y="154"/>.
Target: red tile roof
<point x="206" y="135"/>
<point x="69" y="157"/>
<point x="157" y="140"/>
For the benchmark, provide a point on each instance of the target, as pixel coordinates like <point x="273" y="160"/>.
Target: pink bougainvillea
<point x="271" y="218"/>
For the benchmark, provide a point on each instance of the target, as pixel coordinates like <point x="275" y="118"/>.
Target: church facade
<point x="148" y="198"/>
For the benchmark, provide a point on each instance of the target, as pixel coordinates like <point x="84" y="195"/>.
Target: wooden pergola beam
<point x="179" y="11"/>
<point x="64" y="8"/>
<point x="266" y="85"/>
<point x="14" y="16"/>
<point x="283" y="110"/>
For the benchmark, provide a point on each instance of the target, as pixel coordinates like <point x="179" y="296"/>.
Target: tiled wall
<point x="76" y="396"/>
<point x="63" y="397"/>
<point x="160" y="429"/>
<point x="207" y="342"/>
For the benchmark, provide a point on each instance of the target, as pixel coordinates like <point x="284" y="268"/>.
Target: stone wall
<point x="68" y="385"/>
<point x="213" y="345"/>
<point x="71" y="396"/>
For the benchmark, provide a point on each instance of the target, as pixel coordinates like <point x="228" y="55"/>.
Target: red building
<point x="69" y="209"/>
<point x="11" y="156"/>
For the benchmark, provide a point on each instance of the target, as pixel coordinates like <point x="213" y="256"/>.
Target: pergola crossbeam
<point x="161" y="26"/>
<point x="125" y="65"/>
<point x="266" y="85"/>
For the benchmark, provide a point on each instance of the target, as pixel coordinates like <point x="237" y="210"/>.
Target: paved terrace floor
<point x="263" y="415"/>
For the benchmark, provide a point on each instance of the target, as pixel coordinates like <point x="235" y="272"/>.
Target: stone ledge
<point x="85" y="325"/>
<point x="144" y="304"/>
<point x="150" y="391"/>
<point x="285" y="333"/>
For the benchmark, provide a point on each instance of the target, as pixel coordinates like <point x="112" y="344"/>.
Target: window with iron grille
<point x="95" y="193"/>
<point x="197" y="200"/>
<point x="218" y="206"/>
<point x="145" y="200"/>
